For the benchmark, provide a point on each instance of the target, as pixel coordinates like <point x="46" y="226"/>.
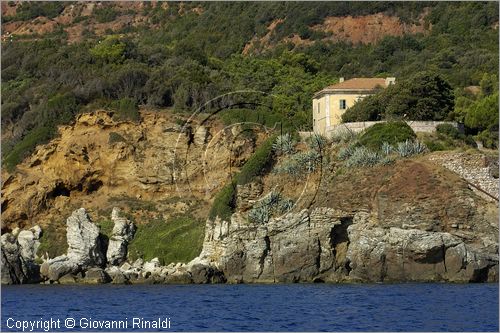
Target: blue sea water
<point x="285" y="307"/>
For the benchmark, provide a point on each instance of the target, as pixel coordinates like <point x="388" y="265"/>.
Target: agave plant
<point x="286" y="205"/>
<point x="386" y="148"/>
<point x="419" y="147"/>
<point x="405" y="149"/>
<point x="409" y="148"/>
<point x="271" y="199"/>
<point x="343" y="135"/>
<point x="289" y="167"/>
<point x="317" y="142"/>
<point x="308" y="160"/>
<point x="272" y="203"/>
<point x="345" y="152"/>
<point x="363" y="156"/>
<point x="284" y="144"/>
<point x="387" y="160"/>
<point x="260" y="214"/>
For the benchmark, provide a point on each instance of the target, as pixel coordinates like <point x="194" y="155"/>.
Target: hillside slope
<point x="62" y="58"/>
<point x="152" y="169"/>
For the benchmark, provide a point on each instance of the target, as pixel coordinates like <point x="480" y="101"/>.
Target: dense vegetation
<point x="390" y="132"/>
<point x="423" y="96"/>
<point x="190" y="57"/>
<point x="178" y="240"/>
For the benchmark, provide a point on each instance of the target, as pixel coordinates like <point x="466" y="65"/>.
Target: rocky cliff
<point x="412" y="220"/>
<point x="320" y="245"/>
<point x="326" y="245"/>
<point x="99" y="162"/>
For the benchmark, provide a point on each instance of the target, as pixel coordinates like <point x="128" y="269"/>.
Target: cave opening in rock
<point x="339" y="239"/>
<point x="93" y="186"/>
<point x="59" y="190"/>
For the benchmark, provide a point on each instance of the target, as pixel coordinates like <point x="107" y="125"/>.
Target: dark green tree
<point x="425" y="96"/>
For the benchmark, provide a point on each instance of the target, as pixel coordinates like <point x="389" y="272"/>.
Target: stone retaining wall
<point x="417" y="126"/>
<point x="475" y="168"/>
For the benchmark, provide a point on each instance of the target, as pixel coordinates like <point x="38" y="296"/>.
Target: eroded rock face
<point x="295" y="247"/>
<point x="84" y="244"/>
<point x="84" y="248"/>
<point x="395" y="254"/>
<point x="332" y="246"/>
<point x="12" y="272"/>
<point x="123" y="233"/>
<point x="18" y="256"/>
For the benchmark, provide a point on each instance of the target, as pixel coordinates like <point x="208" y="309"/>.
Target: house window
<point x="343" y="104"/>
<point x="319" y="106"/>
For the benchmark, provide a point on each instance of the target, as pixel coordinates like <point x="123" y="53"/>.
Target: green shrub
<point x="488" y="138"/>
<point x="224" y="202"/>
<point x="483" y="113"/>
<point x="32" y="9"/>
<point x="469" y="140"/>
<point x="126" y="109"/>
<point x="110" y="50"/>
<point x="258" y="164"/>
<point x="437" y="145"/>
<point x="106" y="227"/>
<point x="26" y="146"/>
<point x="390" y="132"/>
<point x="262" y="159"/>
<point x="105" y="14"/>
<point x="370" y="108"/>
<point x="53" y="240"/>
<point x="134" y="204"/>
<point x="178" y="240"/>
<point x="448" y="130"/>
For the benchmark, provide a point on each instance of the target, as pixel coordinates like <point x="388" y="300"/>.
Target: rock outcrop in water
<point x="316" y="245"/>
<point x="85" y="248"/>
<point x="326" y="245"/>
<point x="123" y="232"/>
<point x="18" y="256"/>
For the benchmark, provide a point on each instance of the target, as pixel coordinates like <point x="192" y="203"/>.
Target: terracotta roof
<point x="359" y="83"/>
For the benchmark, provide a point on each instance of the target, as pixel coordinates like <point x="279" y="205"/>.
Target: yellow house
<point x="330" y="103"/>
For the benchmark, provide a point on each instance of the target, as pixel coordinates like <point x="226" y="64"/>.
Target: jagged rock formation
<point x="395" y="254"/>
<point x="84" y="248"/>
<point x="123" y="233"/>
<point x="317" y="245"/>
<point x="334" y="246"/>
<point x="18" y="256"/>
<point x="412" y="221"/>
<point x="99" y="159"/>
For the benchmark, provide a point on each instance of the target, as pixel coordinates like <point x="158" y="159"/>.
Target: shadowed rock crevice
<point x="340" y="242"/>
<point x="59" y="190"/>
